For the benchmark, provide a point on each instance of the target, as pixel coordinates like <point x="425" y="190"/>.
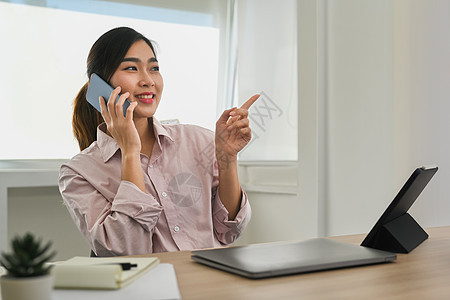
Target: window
<point x="44" y="53"/>
<point x="267" y="42"/>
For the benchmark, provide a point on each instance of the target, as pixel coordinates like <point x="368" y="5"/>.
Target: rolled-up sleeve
<point x="227" y="231"/>
<point x="113" y="224"/>
<point x="143" y="208"/>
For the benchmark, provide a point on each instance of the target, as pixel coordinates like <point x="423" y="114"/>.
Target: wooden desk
<point x="422" y="274"/>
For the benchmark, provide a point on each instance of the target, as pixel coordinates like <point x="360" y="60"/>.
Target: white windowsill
<point x="275" y="177"/>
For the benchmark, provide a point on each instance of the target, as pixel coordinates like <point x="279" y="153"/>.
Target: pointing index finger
<point x="250" y="101"/>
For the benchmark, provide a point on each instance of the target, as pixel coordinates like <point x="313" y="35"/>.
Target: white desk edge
<point x="23" y="173"/>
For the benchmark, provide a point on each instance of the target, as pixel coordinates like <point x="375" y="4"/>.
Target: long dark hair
<point x="104" y="58"/>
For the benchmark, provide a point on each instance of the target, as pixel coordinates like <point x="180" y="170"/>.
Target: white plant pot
<point x="27" y="288"/>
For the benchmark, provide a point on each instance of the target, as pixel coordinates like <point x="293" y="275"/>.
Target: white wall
<point x="41" y="211"/>
<point x="359" y="113"/>
<point x="387" y="83"/>
<point x="422" y="86"/>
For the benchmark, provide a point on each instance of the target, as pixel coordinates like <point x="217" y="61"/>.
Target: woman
<point x="138" y="186"/>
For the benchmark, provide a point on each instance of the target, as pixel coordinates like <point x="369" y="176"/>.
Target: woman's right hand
<point x="124" y="131"/>
<point x="121" y="128"/>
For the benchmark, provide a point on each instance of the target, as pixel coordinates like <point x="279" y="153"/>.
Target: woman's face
<point x="138" y="74"/>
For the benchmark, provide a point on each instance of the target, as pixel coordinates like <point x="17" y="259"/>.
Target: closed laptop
<point x="284" y="258"/>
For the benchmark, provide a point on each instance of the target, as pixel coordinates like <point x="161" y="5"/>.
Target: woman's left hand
<point x="233" y="132"/>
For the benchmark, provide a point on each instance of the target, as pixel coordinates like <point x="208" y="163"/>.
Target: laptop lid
<point x="284" y="258"/>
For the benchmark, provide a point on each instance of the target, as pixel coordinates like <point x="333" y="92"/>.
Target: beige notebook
<point x="100" y="272"/>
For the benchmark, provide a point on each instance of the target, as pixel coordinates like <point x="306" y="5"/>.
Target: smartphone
<point x="98" y="87"/>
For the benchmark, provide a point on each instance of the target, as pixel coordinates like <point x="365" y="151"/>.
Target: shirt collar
<point x="160" y="130"/>
<point x="108" y="146"/>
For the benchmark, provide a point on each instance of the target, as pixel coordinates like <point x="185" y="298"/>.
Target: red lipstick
<point x="146" y="98"/>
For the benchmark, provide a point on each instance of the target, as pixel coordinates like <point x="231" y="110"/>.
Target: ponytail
<point x="85" y="119"/>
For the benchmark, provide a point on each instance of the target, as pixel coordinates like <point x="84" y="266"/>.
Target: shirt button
<point x="164" y="194"/>
<point x="176" y="229"/>
<point x="151" y="166"/>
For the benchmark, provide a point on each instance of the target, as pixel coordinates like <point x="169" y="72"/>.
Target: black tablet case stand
<point x="396" y="231"/>
<point x="400" y="235"/>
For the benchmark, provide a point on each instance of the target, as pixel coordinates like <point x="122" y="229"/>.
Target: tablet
<point x="396" y="230"/>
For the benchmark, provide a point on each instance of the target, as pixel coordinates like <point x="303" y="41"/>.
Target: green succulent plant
<point x="28" y="257"/>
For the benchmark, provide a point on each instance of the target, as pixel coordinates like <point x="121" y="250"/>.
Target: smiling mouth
<point x="146" y="96"/>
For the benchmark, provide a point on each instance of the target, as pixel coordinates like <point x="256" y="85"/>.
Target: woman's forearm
<point x="132" y="170"/>
<point x="230" y="192"/>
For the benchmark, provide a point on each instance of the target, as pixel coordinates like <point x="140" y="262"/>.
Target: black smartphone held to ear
<point x="98" y="87"/>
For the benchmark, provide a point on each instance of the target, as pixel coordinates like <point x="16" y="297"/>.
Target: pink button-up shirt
<point x="180" y="210"/>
